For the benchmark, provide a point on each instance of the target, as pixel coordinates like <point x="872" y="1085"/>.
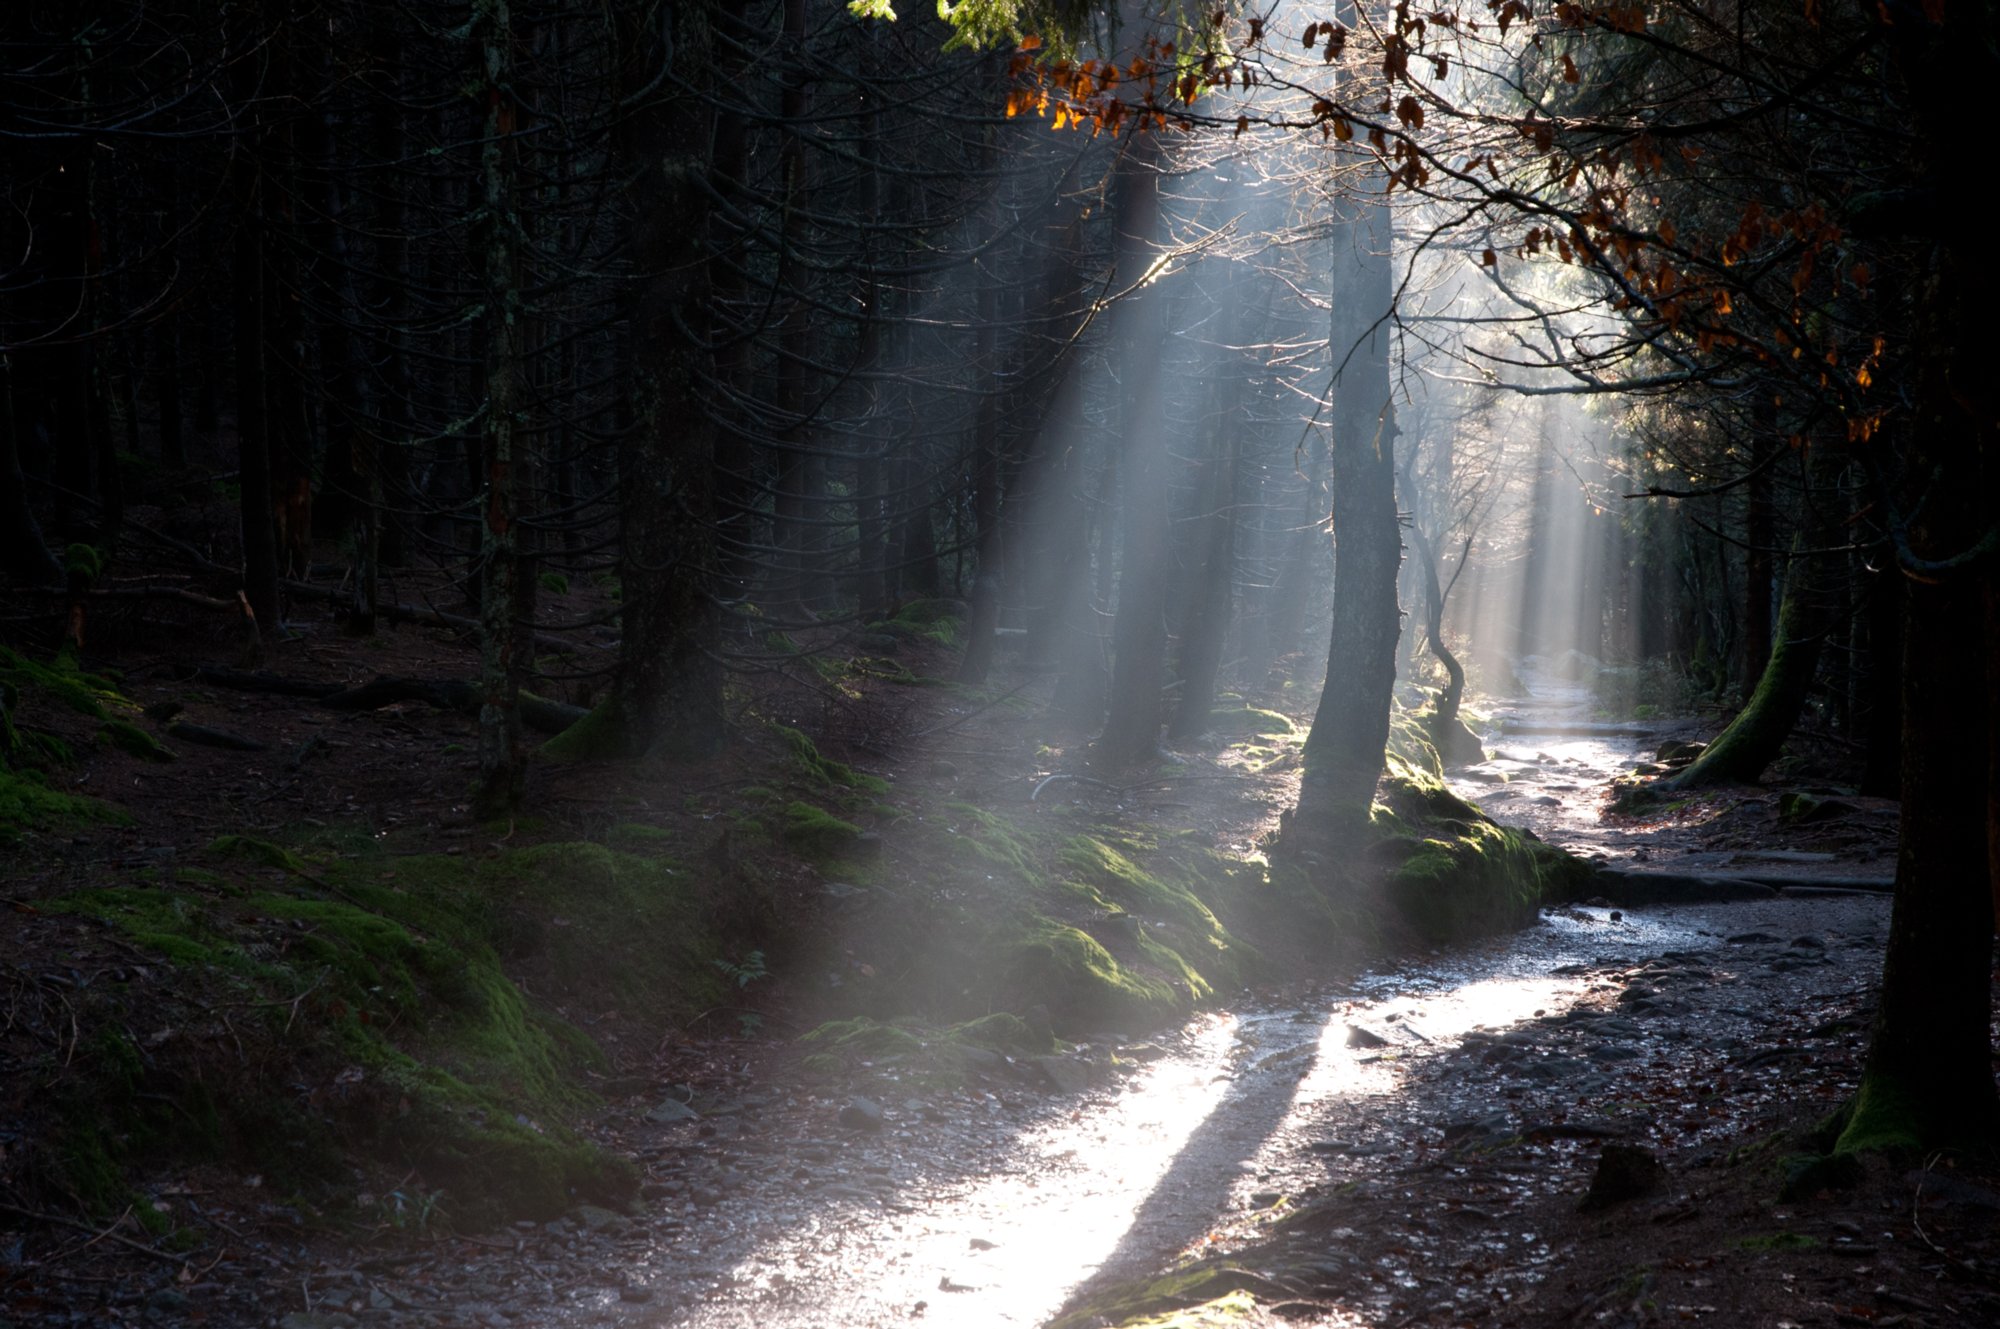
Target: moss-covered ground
<point x="377" y="1013"/>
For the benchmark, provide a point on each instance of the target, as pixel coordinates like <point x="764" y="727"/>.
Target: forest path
<point x="992" y="1203"/>
<point x="1551" y="758"/>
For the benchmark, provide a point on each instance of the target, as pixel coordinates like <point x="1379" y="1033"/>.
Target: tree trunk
<point x="252" y="297"/>
<point x="502" y="760"/>
<point x="23" y="554"/>
<point x="1759" y="532"/>
<point x="983" y="609"/>
<point x="1739" y="754"/>
<point x="1207" y="625"/>
<point x="1881" y="766"/>
<point x="668" y="692"/>
<point x="1344" y="749"/>
<point x="1452" y="739"/>
<point x="1139" y="632"/>
<point x="1929" y="1075"/>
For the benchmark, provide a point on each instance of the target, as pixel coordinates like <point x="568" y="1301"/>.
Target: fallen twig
<point x="105" y="1234"/>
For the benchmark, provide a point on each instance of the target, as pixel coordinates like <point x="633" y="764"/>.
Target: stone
<point x="670" y="1111"/>
<point x="1358" y="1037"/>
<point x="1066" y="1075"/>
<point x="1624" y="1172"/>
<point x="599" y="1219"/>
<point x="861" y="1114"/>
<point x="1142" y="1052"/>
<point x="1802" y="809"/>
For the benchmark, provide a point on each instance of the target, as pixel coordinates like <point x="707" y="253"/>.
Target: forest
<point x="1003" y="662"/>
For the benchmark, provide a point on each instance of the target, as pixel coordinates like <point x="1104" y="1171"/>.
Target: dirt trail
<point x="1550" y="760"/>
<point x="994" y="1204"/>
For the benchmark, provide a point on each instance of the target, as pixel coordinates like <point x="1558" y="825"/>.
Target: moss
<point x="1886" y="1118"/>
<point x="62" y="682"/>
<point x="1410" y="741"/>
<point x="824" y="770"/>
<point x="938" y="1053"/>
<point x="935" y="620"/>
<point x="84" y="564"/>
<point x="1000" y="1030"/>
<point x="995" y="841"/>
<point x="816" y="832"/>
<point x="1246" y="719"/>
<point x="1200" y="1297"/>
<point x="865" y="1038"/>
<point x="134" y="741"/>
<point x="1453" y="872"/>
<point x="637" y="835"/>
<point x="1070" y="972"/>
<point x="261" y="852"/>
<point x="601" y="735"/>
<point x="28" y="803"/>
<point x="396" y="991"/>
<point x="1779" y="1241"/>
<point x="1105" y="869"/>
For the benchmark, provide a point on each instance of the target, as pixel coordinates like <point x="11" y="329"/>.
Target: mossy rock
<point x="1245" y="719"/>
<point x="1410" y="741"/>
<point x="1454" y="873"/>
<point x="823" y="770"/>
<point x="1071" y="973"/>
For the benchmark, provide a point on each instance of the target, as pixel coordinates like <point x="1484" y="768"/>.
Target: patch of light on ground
<point x="1010" y="1247"/>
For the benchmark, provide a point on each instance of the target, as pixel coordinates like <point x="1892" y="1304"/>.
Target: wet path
<point x="1550" y="758"/>
<point x="990" y="1206"/>
<point x="995" y="1202"/>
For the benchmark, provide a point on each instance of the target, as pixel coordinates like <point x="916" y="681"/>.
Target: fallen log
<point x="449" y="694"/>
<point x="204" y="736"/>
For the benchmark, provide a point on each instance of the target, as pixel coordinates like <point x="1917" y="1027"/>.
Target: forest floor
<point x="1357" y="1141"/>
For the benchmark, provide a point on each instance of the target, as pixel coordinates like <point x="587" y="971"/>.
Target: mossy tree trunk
<point x="1752" y="740"/>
